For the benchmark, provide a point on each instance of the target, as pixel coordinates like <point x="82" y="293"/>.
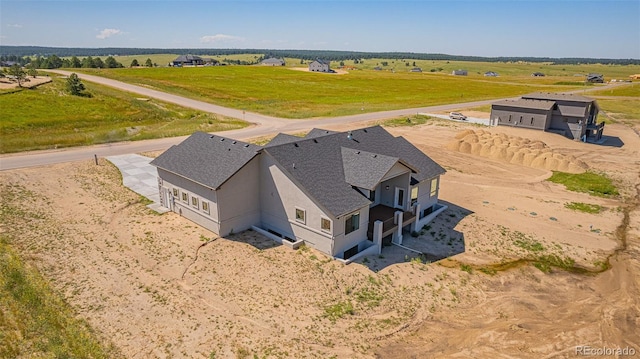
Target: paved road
<point x="263" y="125"/>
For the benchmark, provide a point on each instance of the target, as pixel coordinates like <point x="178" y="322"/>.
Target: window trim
<point x="322" y="219"/>
<point x="195" y="202"/>
<point x="434" y="188"/>
<point x="302" y="220"/>
<point x="176" y="192"/>
<point x="354" y="227"/>
<point x="414" y="200"/>
<point x="204" y="204"/>
<point x="185" y="197"/>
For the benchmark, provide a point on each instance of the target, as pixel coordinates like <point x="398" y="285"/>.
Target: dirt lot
<point x="147" y="283"/>
<point x="6" y="83"/>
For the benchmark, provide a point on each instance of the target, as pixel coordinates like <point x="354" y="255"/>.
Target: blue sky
<point x="560" y="28"/>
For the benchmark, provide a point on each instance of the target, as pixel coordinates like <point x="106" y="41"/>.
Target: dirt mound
<point x="515" y="150"/>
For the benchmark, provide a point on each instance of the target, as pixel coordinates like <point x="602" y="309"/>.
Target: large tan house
<point x="343" y="193"/>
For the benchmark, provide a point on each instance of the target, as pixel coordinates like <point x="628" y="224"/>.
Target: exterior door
<point x="399" y="198"/>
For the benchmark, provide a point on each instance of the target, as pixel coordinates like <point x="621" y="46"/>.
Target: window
<point x="434" y="187"/>
<point x="372" y="196"/>
<point x="414" y="195"/>
<point x="520" y="119"/>
<point x="532" y="120"/>
<point x="300" y="215"/>
<point x="352" y="223"/>
<point x="325" y="224"/>
<point x="205" y="207"/>
<point x="185" y="197"/>
<point x="175" y="192"/>
<point x="194" y="201"/>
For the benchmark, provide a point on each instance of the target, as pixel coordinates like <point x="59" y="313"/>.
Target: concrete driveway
<point x="139" y="176"/>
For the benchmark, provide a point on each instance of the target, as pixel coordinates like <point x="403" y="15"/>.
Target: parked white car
<point x="457" y="116"/>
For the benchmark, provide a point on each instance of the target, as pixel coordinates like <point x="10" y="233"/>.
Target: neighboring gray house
<point x="459" y="72"/>
<point x="572" y="116"/>
<point x="272" y="61"/>
<point x="537" y="74"/>
<point x="595" y="78"/>
<point x="491" y="74"/>
<point x="416" y="69"/>
<point x="343" y="193"/>
<point x="319" y="66"/>
<point x="187" y="60"/>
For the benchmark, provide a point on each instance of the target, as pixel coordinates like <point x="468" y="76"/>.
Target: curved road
<point x="263" y="125"/>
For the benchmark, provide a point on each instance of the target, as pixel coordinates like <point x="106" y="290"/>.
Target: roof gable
<point x="365" y="169"/>
<point x="281" y="139"/>
<point x="206" y="159"/>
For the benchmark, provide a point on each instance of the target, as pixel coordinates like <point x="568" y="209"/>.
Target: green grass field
<point x="295" y="94"/>
<point x="47" y="117"/>
<point x="589" y="182"/>
<point x="625" y="90"/>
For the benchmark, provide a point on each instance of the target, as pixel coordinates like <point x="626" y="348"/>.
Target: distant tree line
<point x="55" y="62"/>
<point x="22" y="51"/>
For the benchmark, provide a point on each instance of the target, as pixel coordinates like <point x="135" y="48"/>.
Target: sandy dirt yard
<point x="159" y="286"/>
<point x="30" y="81"/>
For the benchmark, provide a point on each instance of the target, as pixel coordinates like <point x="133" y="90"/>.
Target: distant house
<point x="342" y="193"/>
<point x="595" y="78"/>
<point x="273" y="61"/>
<point x="572" y="116"/>
<point x="491" y="74"/>
<point x="537" y="74"/>
<point x="319" y="66"/>
<point x="459" y="72"/>
<point x="7" y="63"/>
<point x="416" y="69"/>
<point x="377" y="68"/>
<point x="188" y="60"/>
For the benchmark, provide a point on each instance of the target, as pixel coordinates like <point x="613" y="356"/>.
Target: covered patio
<point x="387" y="216"/>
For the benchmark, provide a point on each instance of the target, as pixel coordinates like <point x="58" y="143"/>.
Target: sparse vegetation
<point x="35" y="321"/>
<point x="338" y="310"/>
<point x="406" y="121"/>
<point x="584" y="207"/>
<point x="592" y="183"/>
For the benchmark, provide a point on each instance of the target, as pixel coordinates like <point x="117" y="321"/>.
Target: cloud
<point x="17" y="26"/>
<point x="108" y="33"/>
<point x="220" y="38"/>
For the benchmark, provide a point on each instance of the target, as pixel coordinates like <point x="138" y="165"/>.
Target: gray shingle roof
<point x="318" y="132"/>
<point x="273" y="60"/>
<point x="527" y="103"/>
<point x="206" y="159"/>
<point x="187" y="58"/>
<point x="557" y="97"/>
<point x="365" y="169"/>
<point x="317" y="164"/>
<point x="281" y="139"/>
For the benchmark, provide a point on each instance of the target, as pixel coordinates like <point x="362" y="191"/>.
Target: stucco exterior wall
<point x="280" y="197"/>
<point x="424" y="193"/>
<point x="343" y="242"/>
<point x="207" y="220"/>
<point x="239" y="199"/>
<point x="401" y="179"/>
